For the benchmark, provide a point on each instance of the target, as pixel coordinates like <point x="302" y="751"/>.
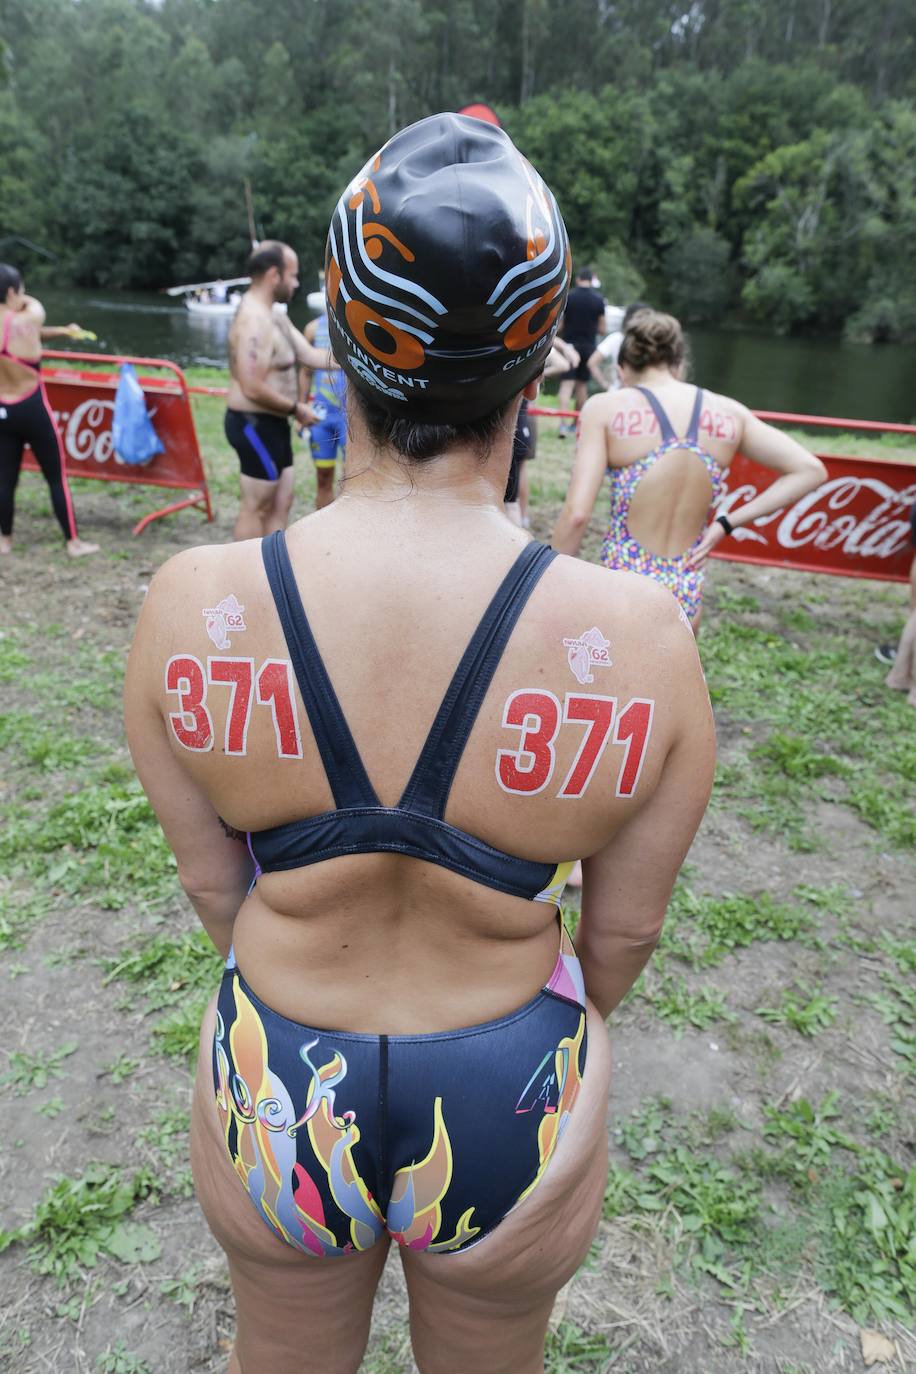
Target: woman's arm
<point x="65" y="331"/>
<point x="626" y="887"/>
<point x="587" y="475"/>
<point x="801" y="472"/>
<point x="214" y="869"/>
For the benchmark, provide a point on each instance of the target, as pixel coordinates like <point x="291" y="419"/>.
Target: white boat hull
<point x="219" y="310"/>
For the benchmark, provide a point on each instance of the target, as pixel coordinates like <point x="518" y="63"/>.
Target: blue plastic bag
<point x="135" y="440"/>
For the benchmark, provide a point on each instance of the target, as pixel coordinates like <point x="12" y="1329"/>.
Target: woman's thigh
<point x="294" y="1311"/>
<point x="487" y="1307"/>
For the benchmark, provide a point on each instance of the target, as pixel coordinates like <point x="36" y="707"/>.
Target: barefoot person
<point x="26" y="416"/>
<point x="265" y="352"/>
<point x="668" y="447"/>
<point x="375" y="823"/>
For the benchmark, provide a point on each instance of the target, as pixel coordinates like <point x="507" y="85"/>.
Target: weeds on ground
<point x="570" y="1350"/>
<point x="700" y="929"/>
<point x="172" y="971"/>
<point x="80" y="1218"/>
<point x="19" y="911"/>
<point x="103" y="840"/>
<point x="115" y="1359"/>
<point x="28" y="1071"/>
<point x="851" y="1213"/>
<point x="806" y="698"/>
<point x="679" y="1005"/>
<point x="805" y="1010"/>
<point x="29" y="743"/>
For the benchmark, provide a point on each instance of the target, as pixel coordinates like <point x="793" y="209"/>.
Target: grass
<point x="806" y="1010"/>
<point x="820" y="741"/>
<point x="81" y="1218"/>
<point x="847" y="1222"/>
<point x="31" y="1071"/>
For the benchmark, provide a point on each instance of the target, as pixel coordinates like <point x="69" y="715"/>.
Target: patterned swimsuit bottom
<point x="621" y="551"/>
<point x="342" y="1138"/>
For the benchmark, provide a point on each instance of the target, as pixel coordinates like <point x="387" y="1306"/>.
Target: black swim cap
<point x="446" y="272"/>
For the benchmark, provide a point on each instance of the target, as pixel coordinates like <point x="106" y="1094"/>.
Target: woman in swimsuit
<point x="668" y="447"/>
<point x="26" y="416"/>
<point x="375" y="743"/>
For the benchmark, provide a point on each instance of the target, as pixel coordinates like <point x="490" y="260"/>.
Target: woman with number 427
<point x="668" y="446"/>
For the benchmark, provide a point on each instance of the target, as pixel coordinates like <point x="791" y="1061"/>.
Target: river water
<point x="807" y="376"/>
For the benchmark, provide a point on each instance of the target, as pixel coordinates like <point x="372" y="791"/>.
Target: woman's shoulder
<point x="192" y="581"/>
<point x="638" y="605"/>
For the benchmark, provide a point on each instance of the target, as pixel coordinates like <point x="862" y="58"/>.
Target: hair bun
<point x="652" y="339"/>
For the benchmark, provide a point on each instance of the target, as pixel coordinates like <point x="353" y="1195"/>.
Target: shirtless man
<point x="265" y="353"/>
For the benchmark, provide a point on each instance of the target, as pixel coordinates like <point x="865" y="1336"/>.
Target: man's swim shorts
<point x="261" y="441"/>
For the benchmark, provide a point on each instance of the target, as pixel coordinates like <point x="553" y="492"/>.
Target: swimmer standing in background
<point x="667" y="446"/>
<point x="26" y="416"/>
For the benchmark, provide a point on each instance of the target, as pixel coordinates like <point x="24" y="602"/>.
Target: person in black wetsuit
<point x="429" y="716"/>
<point x="583" y="321"/>
<point x="25" y="414"/>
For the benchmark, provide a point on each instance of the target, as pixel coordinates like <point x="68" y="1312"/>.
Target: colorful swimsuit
<point x="621" y="551"/>
<point x="338" y="1137"/>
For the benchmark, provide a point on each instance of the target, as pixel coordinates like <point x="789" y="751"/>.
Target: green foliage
<point x="697" y="275"/>
<point x="701" y="929"/>
<point x="116" y="1359"/>
<point x="79" y="1218"/>
<point x="805" y="1010"/>
<point x="681" y="1006"/>
<point x="28" y="1071"/>
<point x="103" y="839"/>
<point x="570" y="1350"/>
<point x="850" y="1224"/>
<point x="688" y="152"/>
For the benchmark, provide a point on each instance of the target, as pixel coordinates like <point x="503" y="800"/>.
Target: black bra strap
<point x="664" y="424"/>
<point x="431" y="780"/>
<point x="693" y="429"/>
<point x="348" y="778"/>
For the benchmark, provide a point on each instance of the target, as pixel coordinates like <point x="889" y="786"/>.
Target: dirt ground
<point x="86" y="1078"/>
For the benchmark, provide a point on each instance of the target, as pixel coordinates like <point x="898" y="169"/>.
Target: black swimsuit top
<point x="415" y="826"/>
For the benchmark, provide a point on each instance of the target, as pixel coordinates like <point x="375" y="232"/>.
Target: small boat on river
<point x="213" y="300"/>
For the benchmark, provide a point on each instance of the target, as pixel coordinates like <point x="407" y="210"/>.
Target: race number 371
<point x="538" y="716"/>
<point x="271" y="685"/>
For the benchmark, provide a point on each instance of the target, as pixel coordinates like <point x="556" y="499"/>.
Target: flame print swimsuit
<point x="342" y="1138"/>
<point x="621" y="551"/>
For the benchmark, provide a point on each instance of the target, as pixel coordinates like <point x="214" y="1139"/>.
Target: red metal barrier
<point x="83" y="404"/>
<point x="856" y="524"/>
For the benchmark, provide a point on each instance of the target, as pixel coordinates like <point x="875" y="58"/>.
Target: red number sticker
<point x="192" y="723"/>
<point x="598" y="713"/>
<point x="236" y="673"/>
<point x="275" y="688"/>
<point x="634" y="725"/>
<point x="529" y="768"/>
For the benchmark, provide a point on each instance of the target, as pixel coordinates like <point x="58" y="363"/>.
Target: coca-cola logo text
<point x="824" y="519"/>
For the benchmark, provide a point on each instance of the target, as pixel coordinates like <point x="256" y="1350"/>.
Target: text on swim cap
<point x="360" y="356"/>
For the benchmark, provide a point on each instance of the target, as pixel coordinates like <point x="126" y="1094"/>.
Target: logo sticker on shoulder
<point x="224" y="618"/>
<point x="586" y="651"/>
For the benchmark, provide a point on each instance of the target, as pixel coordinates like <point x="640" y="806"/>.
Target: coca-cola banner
<point x="856" y="524"/>
<point x="83" y="404"/>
